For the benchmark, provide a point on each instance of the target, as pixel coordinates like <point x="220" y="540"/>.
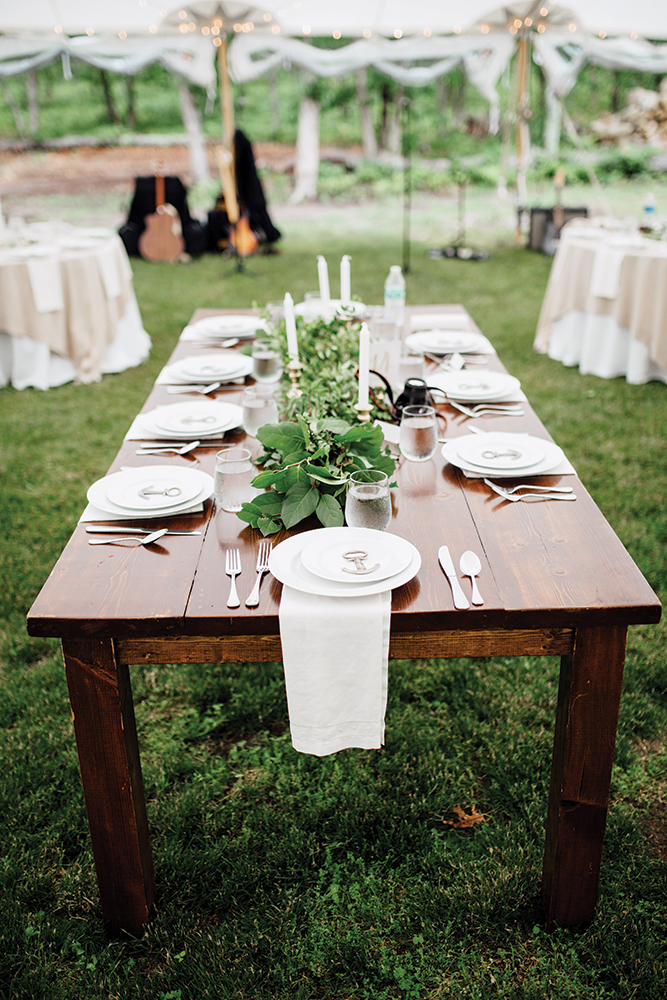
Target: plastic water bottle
<point x="649" y="211"/>
<point x="394" y="295"/>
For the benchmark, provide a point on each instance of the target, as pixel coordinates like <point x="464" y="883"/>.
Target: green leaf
<point x="323" y="476"/>
<point x="249" y="513"/>
<point x="299" y="503"/>
<point x="329" y="512"/>
<point x="283" y="437"/>
<point x="268" y="526"/>
<point x="297" y="474"/>
<point x="332" y="424"/>
<point x="270" y="503"/>
<point x="265" y="478"/>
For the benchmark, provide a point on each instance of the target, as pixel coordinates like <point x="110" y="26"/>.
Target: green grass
<point x="285" y="876"/>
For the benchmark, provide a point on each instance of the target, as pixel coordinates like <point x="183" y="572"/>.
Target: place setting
<point x="202" y="370"/>
<point x="503" y="455"/>
<point x="442" y="342"/>
<point x="155" y="491"/>
<point x="179" y="423"/>
<point x="221" y="328"/>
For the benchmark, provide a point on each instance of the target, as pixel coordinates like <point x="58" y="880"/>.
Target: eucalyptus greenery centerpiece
<point x="309" y="457"/>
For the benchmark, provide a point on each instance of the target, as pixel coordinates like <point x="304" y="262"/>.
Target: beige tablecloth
<point x="71" y="297"/>
<point x="630" y="282"/>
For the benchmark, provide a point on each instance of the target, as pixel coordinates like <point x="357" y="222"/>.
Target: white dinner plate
<point x="143" y="489"/>
<point x="323" y="554"/>
<point x="445" y="341"/>
<point x="286" y="565"/>
<point x="212" y="366"/>
<point x="476" y="386"/>
<point x="553" y="455"/>
<point x="97" y="493"/>
<point x="440" y="321"/>
<point x="229" y="416"/>
<point x="33" y="251"/>
<point x="522" y="453"/>
<point x="226" y="326"/>
<point x="195" y="418"/>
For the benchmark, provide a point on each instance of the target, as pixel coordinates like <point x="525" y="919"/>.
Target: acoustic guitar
<point x="162" y="239"/>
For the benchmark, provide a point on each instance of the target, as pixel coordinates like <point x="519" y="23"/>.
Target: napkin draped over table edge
<point x="336" y="695"/>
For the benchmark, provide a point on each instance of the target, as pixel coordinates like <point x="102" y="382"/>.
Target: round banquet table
<point x="67" y="306"/>
<point x="605" y="307"/>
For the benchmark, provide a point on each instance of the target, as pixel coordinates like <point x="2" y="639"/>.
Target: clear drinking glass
<point x="260" y="406"/>
<point x="410" y="364"/>
<point x="368" y="501"/>
<point x="266" y="363"/>
<point x="418" y="434"/>
<point x="234" y="473"/>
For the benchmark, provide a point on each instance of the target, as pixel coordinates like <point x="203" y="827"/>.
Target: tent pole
<point x="226" y="159"/>
<point x="407" y="183"/>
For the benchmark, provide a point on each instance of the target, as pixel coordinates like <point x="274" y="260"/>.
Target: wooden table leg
<point x="106" y="738"/>
<point x="589" y="695"/>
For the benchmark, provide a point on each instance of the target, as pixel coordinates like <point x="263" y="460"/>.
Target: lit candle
<point x="323" y="275"/>
<point x="290" y="326"/>
<point x="345" y="294"/>
<point x="364" y="352"/>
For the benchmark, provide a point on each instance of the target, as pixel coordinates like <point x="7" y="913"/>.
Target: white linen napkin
<point x="606" y="271"/>
<point x="46" y="283"/>
<point x="336" y="690"/>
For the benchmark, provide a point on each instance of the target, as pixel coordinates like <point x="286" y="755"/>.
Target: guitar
<point x="162" y="239"/>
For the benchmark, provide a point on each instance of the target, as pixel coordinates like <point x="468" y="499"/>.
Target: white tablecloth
<point x="67" y="307"/>
<point x="605" y="308"/>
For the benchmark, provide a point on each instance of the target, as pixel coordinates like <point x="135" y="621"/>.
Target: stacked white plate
<point x="221" y="327"/>
<point x="503" y="455"/>
<point x="447" y="341"/>
<point x="189" y="420"/>
<point x="315" y="562"/>
<point x="220" y="367"/>
<point x="316" y="308"/>
<point x="439" y="321"/>
<point x="151" y="491"/>
<point x="477" y="386"/>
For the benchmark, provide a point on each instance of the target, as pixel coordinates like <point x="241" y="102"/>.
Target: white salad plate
<point x="524" y="453"/>
<point x="286" y="565"/>
<point x="98" y="493"/>
<point x="476" y="386"/>
<point x="226" y="326"/>
<point x="212" y="366"/>
<point x="142" y="489"/>
<point x="324" y="555"/>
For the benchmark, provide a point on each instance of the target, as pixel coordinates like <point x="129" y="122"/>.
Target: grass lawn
<point x="286" y="876"/>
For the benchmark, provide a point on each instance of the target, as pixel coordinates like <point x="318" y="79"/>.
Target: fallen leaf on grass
<point x="465" y="820"/>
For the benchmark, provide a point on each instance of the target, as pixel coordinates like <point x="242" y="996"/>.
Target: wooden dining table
<point x="557" y="582"/>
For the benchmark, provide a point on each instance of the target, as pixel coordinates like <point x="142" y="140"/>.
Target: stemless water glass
<point x="418" y="434"/>
<point x="260" y="406"/>
<point x="368" y="501"/>
<point x="234" y="473"/>
<point x="266" y="363"/>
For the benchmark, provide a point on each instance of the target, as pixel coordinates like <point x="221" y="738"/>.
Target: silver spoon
<point x="470" y="565"/>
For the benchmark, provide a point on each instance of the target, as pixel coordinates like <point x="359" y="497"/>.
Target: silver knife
<point x="460" y="600"/>
<point x="99" y="530"/>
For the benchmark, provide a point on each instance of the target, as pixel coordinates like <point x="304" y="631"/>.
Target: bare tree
<point x="367" y="130"/>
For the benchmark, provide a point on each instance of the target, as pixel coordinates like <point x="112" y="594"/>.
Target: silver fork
<point x="164" y="450"/>
<point x="506" y="410"/>
<point x="261" y="568"/>
<point x="233" y="568"/>
<point x="531" y="486"/>
<point x="517" y="497"/>
<point x="204" y="389"/>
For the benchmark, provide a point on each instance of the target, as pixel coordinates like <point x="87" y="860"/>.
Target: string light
<point x="398" y="33"/>
<point x="512" y="29"/>
<point x="572" y="27"/>
<point x="153" y="29"/>
<point x="602" y="34"/>
<point x="336" y="34"/>
<point x="90" y="32"/>
<point x="633" y="36"/>
<point x="544" y="12"/>
<point x="206" y="30"/>
<point x="237" y="28"/>
<point x="518" y="23"/>
<point x="275" y="28"/>
<point x="367" y="32"/>
<point x="58" y="29"/>
<point x="427" y="32"/>
<point x="267" y="17"/>
<point x="541" y="28"/>
<point x="183" y="14"/>
<point x="122" y="34"/>
<point x="528" y="22"/>
<point x="457" y="29"/>
<point x="183" y="28"/>
<point x="306" y="29"/>
<point x="485" y="29"/>
<point x="217" y="41"/>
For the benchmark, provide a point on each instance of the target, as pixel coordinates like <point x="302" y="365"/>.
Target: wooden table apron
<point x="556" y="581"/>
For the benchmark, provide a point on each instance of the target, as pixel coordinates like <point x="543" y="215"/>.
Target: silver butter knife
<point x="107" y="530"/>
<point x="460" y="600"/>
